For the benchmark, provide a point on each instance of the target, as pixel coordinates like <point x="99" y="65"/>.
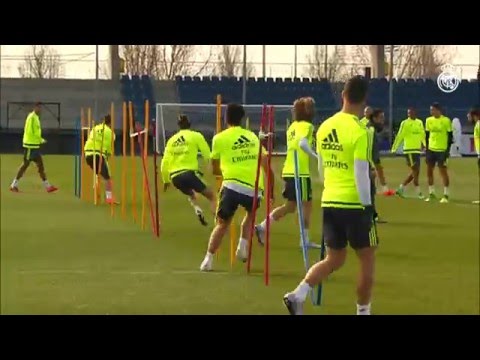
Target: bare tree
<point x="41" y="61"/>
<point x="324" y="65"/>
<point x="163" y="62"/>
<point x="230" y="62"/>
<point x="420" y="61"/>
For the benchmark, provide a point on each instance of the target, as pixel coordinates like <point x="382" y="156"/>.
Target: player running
<point x="376" y="122"/>
<point x="32" y="140"/>
<point x="412" y="134"/>
<point x="346" y="200"/>
<point x="180" y="166"/>
<point x="439" y="139"/>
<point x="235" y="157"/>
<point x="299" y="136"/>
<point x="474" y="116"/>
<point x="367" y="113"/>
<point x="98" y="149"/>
<point x="375" y="126"/>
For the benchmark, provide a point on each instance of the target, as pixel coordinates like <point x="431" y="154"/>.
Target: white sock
<point x="108" y="194"/>
<point x="307" y="237"/>
<point x="46" y="184"/>
<point x="208" y="255"/>
<point x="401" y="187"/>
<point x="302" y="290"/>
<point x="431" y="189"/>
<point x="445" y="191"/>
<point x="364" y="309"/>
<point x="263" y="224"/>
<point x="242" y="243"/>
<point x="14" y="183"/>
<point x="417" y="189"/>
<point x="384" y="188"/>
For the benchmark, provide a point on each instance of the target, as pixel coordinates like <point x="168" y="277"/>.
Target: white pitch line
<point x="53" y="272"/>
<point x="64" y="271"/>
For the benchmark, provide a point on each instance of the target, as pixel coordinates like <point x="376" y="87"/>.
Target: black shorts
<point x="354" y="226"/>
<point x="436" y="158"/>
<point x="32" y="155"/>
<point x="104" y="171"/>
<point x="413" y="160"/>
<point x="188" y="182"/>
<point x="229" y="200"/>
<point x="305" y="189"/>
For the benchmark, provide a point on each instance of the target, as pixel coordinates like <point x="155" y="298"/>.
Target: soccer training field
<point x="60" y="255"/>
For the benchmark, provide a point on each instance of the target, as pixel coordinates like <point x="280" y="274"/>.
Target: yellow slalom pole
<point x="124" y="161"/>
<point x="111" y="162"/>
<point x="247" y="123"/>
<point x="134" y="169"/>
<point x="145" y="155"/>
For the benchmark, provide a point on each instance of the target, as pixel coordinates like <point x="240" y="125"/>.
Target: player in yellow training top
<point x="98" y="148"/>
<point x="474" y="117"/>
<point x="299" y="137"/>
<point x="439" y="139"/>
<point x="235" y="157"/>
<point x="32" y="139"/>
<point x="367" y="114"/>
<point x="180" y="165"/>
<point x="412" y="134"/>
<point x="346" y="200"/>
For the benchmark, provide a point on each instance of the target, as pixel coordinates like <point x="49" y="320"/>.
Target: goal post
<point x="203" y="119"/>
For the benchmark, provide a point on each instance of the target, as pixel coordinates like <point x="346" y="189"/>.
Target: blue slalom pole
<point x="301" y="223"/>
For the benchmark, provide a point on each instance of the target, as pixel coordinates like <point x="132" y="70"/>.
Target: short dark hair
<point x="235" y="114"/>
<point x="183" y="122"/>
<point x="376" y="112"/>
<point x="437" y="106"/>
<point x="356" y="90"/>
<point x="475" y="111"/>
<point x="38" y="104"/>
<point x="107" y="119"/>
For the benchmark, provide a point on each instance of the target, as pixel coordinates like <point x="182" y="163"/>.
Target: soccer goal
<point x="203" y="119"/>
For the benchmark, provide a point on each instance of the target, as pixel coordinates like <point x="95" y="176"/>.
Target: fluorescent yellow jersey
<point x="364" y="121"/>
<point x="341" y="140"/>
<point x="412" y="133"/>
<point x="32" y="133"/>
<point x="298" y="130"/>
<point x="476" y="137"/>
<point x="99" y="140"/>
<point x="237" y="150"/>
<point x="439" y="129"/>
<point x="181" y="153"/>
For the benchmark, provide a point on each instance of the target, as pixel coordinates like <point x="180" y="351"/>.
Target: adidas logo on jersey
<point x="179" y="142"/>
<point x="242" y="143"/>
<point x="331" y="142"/>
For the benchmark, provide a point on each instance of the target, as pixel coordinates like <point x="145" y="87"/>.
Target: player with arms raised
<point x="180" y="165"/>
<point x="299" y="136"/>
<point x="412" y="134"/>
<point x="439" y="139"/>
<point x="474" y="116"/>
<point x="346" y="200"/>
<point x="235" y="157"/>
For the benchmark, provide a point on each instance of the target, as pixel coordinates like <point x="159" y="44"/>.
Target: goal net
<point x="203" y="119"/>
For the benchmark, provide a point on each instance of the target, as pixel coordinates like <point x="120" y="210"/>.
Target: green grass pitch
<point x="60" y="255"/>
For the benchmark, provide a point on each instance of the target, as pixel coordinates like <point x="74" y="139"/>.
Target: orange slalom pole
<point x="134" y="169"/>
<point x="145" y="155"/>
<point x="218" y="129"/>
<point x="82" y="144"/>
<point x="124" y="161"/>
<point x="89" y="185"/>
<point x="112" y="156"/>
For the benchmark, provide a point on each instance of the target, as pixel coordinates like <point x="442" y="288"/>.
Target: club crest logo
<point x="448" y="80"/>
